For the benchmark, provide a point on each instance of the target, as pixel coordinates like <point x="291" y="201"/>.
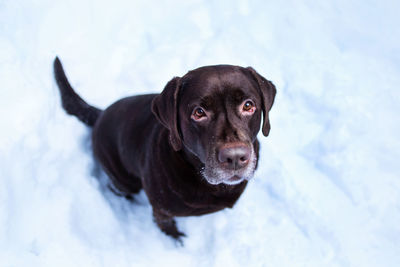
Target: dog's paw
<point x="171" y="230"/>
<point x="168" y="226"/>
<point x="178" y="237"/>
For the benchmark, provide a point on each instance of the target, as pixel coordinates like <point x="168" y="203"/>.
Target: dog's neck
<point x="191" y="158"/>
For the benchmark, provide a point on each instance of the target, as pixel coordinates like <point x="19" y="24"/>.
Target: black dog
<point x="192" y="148"/>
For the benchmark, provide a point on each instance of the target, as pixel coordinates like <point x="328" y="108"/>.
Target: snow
<point x="327" y="191"/>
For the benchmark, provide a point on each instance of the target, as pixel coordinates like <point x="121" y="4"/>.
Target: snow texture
<point x="327" y="191"/>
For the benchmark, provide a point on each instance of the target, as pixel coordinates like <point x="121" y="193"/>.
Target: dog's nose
<point x="234" y="156"/>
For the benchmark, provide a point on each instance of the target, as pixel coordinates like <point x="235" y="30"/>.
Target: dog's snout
<point x="234" y="156"/>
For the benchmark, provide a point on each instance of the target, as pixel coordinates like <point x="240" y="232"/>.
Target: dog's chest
<point x="192" y="200"/>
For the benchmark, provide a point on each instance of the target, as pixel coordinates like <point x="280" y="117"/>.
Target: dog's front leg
<point x="167" y="224"/>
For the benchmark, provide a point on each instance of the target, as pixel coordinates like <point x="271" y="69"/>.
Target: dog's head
<point x="215" y="113"/>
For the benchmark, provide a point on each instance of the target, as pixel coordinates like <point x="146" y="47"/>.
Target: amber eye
<point x="198" y="114"/>
<point x="249" y="106"/>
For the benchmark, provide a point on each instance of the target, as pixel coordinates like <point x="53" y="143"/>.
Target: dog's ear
<point x="165" y="108"/>
<point x="267" y="92"/>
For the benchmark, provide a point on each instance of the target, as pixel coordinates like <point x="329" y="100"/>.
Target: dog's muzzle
<point x="232" y="164"/>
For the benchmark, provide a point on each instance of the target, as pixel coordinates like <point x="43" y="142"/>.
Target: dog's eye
<point x="248" y="107"/>
<point x="198" y="114"/>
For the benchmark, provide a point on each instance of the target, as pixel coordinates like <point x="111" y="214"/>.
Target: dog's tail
<point x="71" y="101"/>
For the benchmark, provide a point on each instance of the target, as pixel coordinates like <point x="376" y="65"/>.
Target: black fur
<point x="186" y="165"/>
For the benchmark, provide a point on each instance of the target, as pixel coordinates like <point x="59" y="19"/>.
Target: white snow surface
<point x="327" y="190"/>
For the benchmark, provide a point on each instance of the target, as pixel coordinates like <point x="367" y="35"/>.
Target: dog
<point x="192" y="148"/>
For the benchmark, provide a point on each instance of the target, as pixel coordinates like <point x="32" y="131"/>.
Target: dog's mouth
<point x="234" y="180"/>
<point x="227" y="178"/>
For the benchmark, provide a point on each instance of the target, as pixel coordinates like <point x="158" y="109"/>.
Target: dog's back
<point x="120" y="139"/>
<point x="107" y="134"/>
